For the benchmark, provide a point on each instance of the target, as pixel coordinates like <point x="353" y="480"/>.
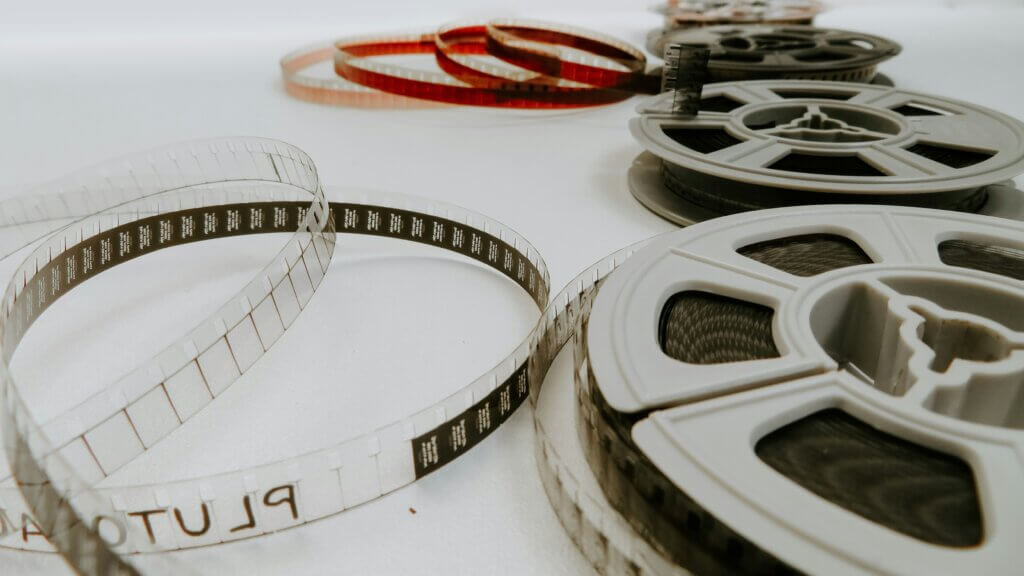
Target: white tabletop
<point x="87" y="81"/>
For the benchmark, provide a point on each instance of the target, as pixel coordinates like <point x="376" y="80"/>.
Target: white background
<point x="81" y="82"/>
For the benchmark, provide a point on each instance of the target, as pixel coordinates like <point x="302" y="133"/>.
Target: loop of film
<point x="57" y="464"/>
<point x="545" y="66"/>
<point x="51" y="501"/>
<point x="180" y="194"/>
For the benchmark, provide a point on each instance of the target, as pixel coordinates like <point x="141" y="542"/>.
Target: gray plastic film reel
<point x="772" y="143"/>
<point x="759" y="52"/>
<point x="888" y="419"/>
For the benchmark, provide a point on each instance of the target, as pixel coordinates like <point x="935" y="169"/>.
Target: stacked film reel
<point x="772" y="143"/>
<point x="699" y="13"/>
<point x="780" y="392"/>
<point x="774" y="392"/>
<point x="756" y="52"/>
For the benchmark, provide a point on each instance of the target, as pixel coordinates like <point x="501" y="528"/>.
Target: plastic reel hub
<point x="914" y="351"/>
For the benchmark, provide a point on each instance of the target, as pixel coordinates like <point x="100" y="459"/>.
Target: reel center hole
<point x="877" y="330"/>
<point x="776" y="42"/>
<point x="956" y="338"/>
<point x="818" y="123"/>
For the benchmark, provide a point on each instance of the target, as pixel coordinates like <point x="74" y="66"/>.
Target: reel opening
<point x="996" y="259"/>
<point x="959" y="340"/>
<point x="906" y="487"/>
<point x="807" y="254"/>
<point x="704" y="328"/>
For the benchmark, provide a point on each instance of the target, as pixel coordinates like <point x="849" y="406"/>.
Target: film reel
<point x="779" y="392"/>
<point x="771" y="143"/>
<point x="761" y="52"/>
<point x="697" y="13"/>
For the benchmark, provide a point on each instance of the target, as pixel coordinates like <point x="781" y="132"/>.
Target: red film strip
<point x="334" y="91"/>
<point x="517" y="43"/>
<point x="551" y="67"/>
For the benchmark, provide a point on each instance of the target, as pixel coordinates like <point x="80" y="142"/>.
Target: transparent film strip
<point x="57" y="465"/>
<point x="602" y="535"/>
<point x="175" y="195"/>
<point x="97" y="437"/>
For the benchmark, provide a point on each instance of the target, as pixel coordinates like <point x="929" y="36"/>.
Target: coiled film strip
<point x="98" y="529"/>
<point x="220" y="188"/>
<point x="552" y="66"/>
<point x="56" y="464"/>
